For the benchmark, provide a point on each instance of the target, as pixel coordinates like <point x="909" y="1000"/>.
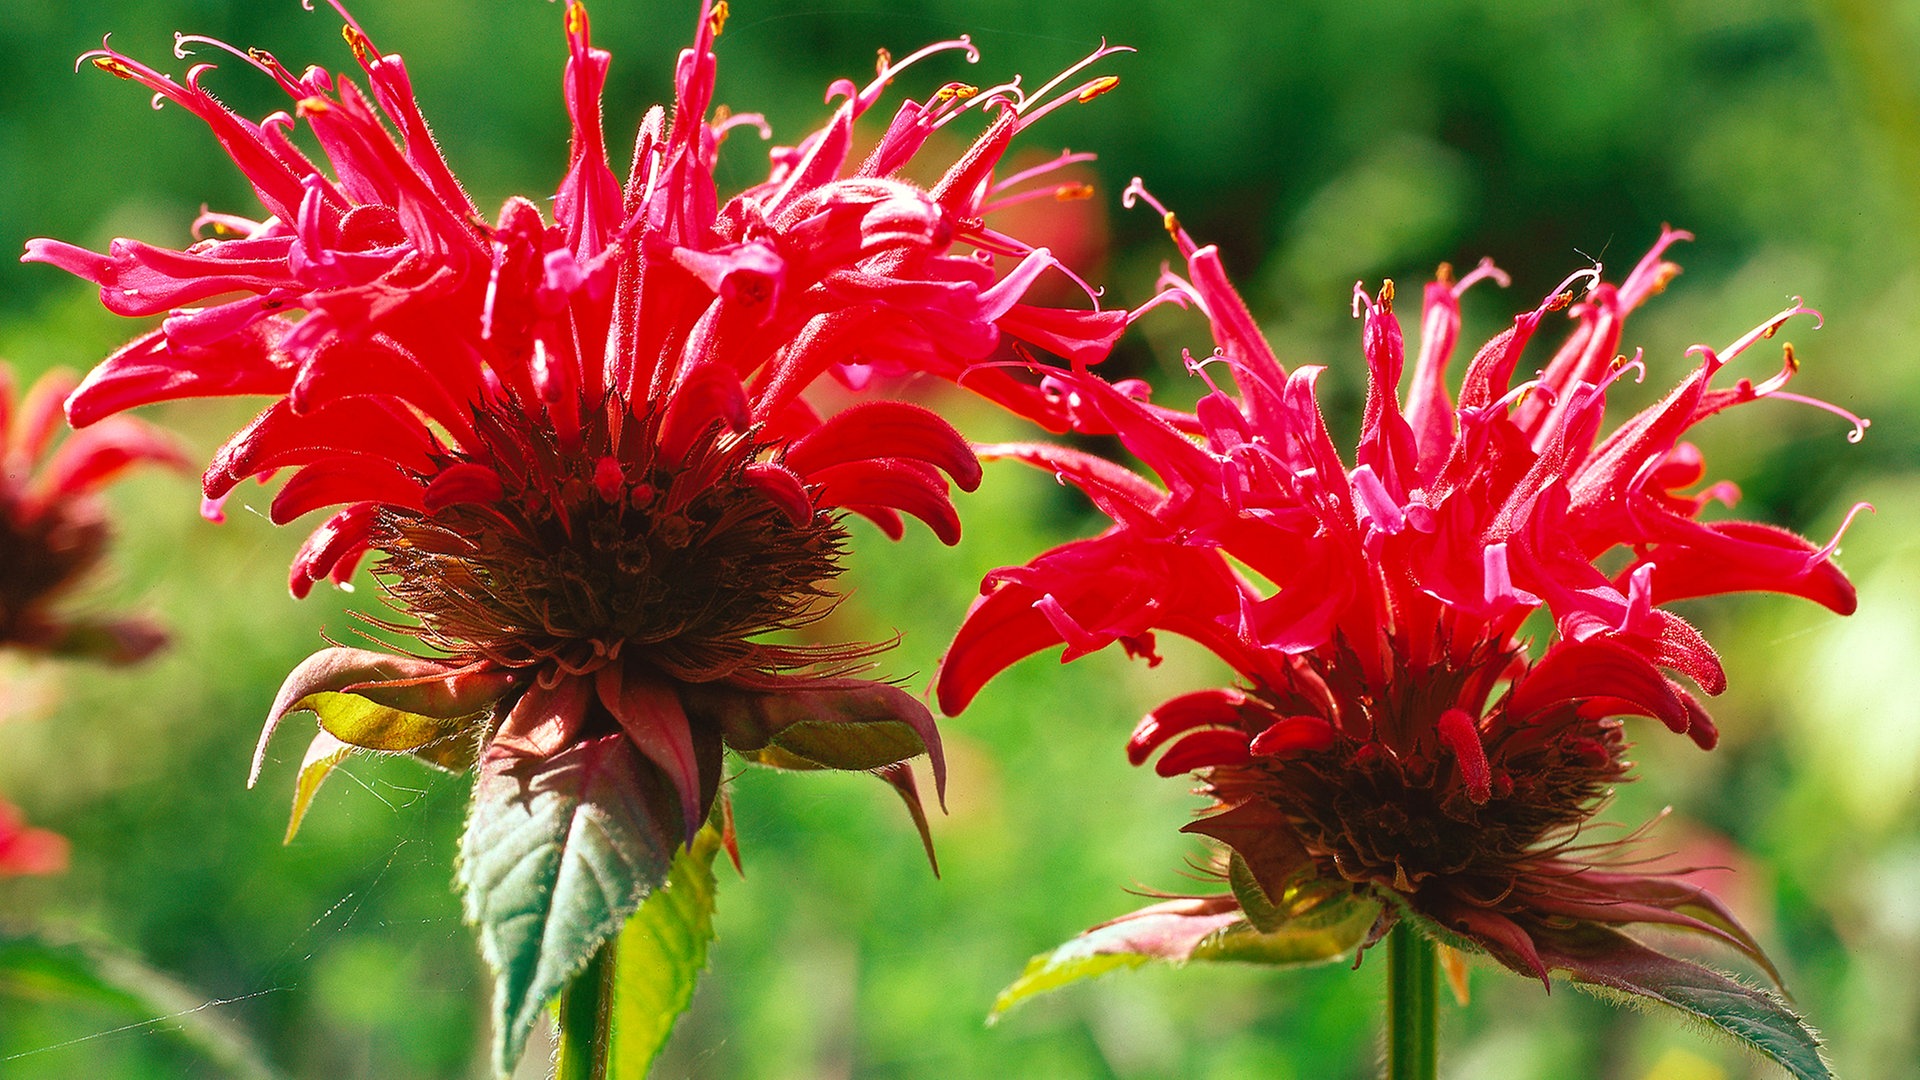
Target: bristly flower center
<point x="1382" y="807"/>
<point x="586" y="555"/>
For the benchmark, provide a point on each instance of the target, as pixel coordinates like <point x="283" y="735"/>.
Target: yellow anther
<point x="362" y="48"/>
<point x="112" y="66"/>
<point x="1444" y="275"/>
<point x="312" y="106"/>
<point x="883" y="62"/>
<point x="955" y="92"/>
<point x="1661" y="277"/>
<point x="1171" y="224"/>
<point x="1561" y="301"/>
<point x="1097" y="87"/>
<point x="1792" y="361"/>
<point x="718" y="20"/>
<point x="1386" y="295"/>
<point x="576" y="18"/>
<point x="1073" y="192"/>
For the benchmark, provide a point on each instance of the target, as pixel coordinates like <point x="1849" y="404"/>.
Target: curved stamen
<point x="1860" y="423"/>
<point x="1716" y="360"/>
<point x="1136" y="191"/>
<point x="1562" y="294"/>
<point x="1485" y="271"/>
<point x="889" y="68"/>
<point x="1105" y="50"/>
<point x="1833" y="545"/>
<point x="1066" y="158"/>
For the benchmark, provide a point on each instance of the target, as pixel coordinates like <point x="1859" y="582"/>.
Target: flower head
<point x="53" y="532"/>
<point x="580" y="447"/>
<point x="1399" y="746"/>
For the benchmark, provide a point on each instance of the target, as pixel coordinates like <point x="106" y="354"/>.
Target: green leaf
<point x="369" y="725"/>
<point x="1204" y="928"/>
<point x="559" y="852"/>
<point x="660" y="956"/>
<point x="381" y="702"/>
<point x="846" y="724"/>
<point x="1615" y="965"/>
<point x="323" y="754"/>
<point x="38" y="967"/>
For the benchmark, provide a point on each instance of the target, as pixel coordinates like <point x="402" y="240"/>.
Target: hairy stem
<point x="586" y="1020"/>
<point x="1413" y="992"/>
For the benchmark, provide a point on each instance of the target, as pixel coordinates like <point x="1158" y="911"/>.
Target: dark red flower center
<point x="589" y="554"/>
<point x="1391" y="804"/>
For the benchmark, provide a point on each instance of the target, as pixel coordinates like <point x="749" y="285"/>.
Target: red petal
<point x="1215" y="708"/>
<point x="883" y="429"/>
<point x="1202" y="749"/>
<point x="903" y="485"/>
<point x="345" y="479"/>
<point x="1293" y="734"/>
<point x="1457" y="730"/>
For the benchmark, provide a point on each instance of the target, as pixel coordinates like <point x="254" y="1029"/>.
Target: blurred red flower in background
<point x="27" y="850"/>
<point x="53" y="530"/>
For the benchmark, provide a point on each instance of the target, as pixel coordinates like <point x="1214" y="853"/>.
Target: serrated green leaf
<point x="559" y="852"/>
<point x="1618" y="966"/>
<point x="1207" y="928"/>
<point x="661" y="953"/>
<point x="35" y="966"/>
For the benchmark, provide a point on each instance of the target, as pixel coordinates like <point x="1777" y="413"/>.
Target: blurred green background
<point x="1318" y="142"/>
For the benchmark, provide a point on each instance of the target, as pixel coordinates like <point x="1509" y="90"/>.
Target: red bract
<point x="584" y="441"/>
<point x="1397" y="741"/>
<point x="53" y="531"/>
<point x="27" y="850"/>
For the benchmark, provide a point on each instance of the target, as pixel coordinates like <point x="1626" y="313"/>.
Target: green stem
<point x="586" y="1020"/>
<point x="1413" y="992"/>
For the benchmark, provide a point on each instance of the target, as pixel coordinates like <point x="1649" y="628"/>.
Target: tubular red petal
<point x="338" y="537"/>
<point x="706" y="395"/>
<point x="1292" y="735"/>
<point x="1595" y="668"/>
<point x="1460" y="735"/>
<point x="903" y="485"/>
<point x="880" y="429"/>
<point x="1202" y="708"/>
<point x="1001" y="628"/>
<point x="462" y="482"/>
<point x="150" y="369"/>
<point x="345" y="478"/>
<point x="1202" y="749"/>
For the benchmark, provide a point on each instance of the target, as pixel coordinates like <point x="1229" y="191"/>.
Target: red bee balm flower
<point x="1398" y="749"/>
<point x="53" y="532"/>
<point x="580" y="447"/>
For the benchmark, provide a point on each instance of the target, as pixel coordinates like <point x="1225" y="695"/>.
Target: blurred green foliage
<point x="1317" y="142"/>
